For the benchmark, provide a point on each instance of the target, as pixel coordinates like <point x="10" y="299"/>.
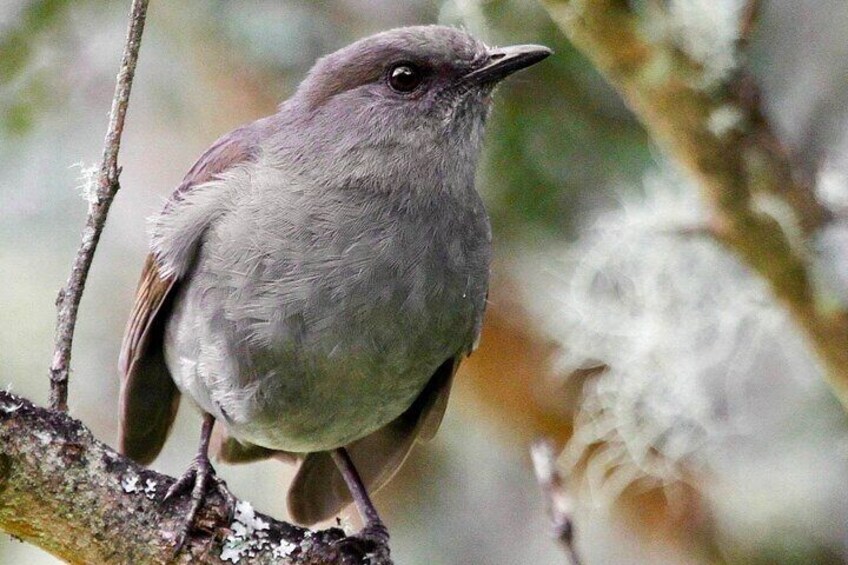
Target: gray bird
<point x="319" y="274"/>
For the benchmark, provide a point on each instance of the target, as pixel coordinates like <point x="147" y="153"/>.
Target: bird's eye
<point x="405" y="77"/>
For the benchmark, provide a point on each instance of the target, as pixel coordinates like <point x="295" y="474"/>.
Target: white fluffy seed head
<point x="682" y="326"/>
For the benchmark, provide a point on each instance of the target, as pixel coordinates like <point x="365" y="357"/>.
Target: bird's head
<point x="409" y="94"/>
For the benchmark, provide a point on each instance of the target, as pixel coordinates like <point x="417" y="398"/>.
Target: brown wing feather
<point x="432" y="414"/>
<point x="228" y="449"/>
<point x="318" y="491"/>
<point x="149" y="398"/>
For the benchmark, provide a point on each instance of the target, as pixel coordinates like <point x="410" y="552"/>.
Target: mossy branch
<point x="72" y="495"/>
<point x="742" y="168"/>
<point x="75" y="497"/>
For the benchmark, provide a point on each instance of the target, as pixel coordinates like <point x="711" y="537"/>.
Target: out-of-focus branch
<point x="720" y="135"/>
<point x="100" y="199"/>
<point x="557" y="500"/>
<point x="75" y="497"/>
<point x="748" y="21"/>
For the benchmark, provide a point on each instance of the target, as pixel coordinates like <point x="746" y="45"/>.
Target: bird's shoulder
<point x="239" y="146"/>
<point x="142" y="364"/>
<point x="204" y="195"/>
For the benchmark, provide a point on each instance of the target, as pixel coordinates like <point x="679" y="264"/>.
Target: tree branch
<point x="557" y="500"/>
<point x="72" y="495"/>
<point x="107" y="186"/>
<point x="721" y="136"/>
<point x="75" y="497"/>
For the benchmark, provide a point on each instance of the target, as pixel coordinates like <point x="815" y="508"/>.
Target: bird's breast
<point x="323" y="325"/>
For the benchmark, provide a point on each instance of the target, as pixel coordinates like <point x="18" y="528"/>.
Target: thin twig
<point x="67" y="303"/>
<point x="557" y="500"/>
<point x="748" y="22"/>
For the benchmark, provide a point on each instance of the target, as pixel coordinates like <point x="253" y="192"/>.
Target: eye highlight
<point x="404" y="77"/>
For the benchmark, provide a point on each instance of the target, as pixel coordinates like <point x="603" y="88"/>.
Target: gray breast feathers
<point x="301" y="300"/>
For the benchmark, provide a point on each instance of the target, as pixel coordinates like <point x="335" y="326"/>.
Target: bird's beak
<point x="503" y="61"/>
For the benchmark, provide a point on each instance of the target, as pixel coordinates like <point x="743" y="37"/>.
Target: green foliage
<point x="21" y="91"/>
<point x="556" y="132"/>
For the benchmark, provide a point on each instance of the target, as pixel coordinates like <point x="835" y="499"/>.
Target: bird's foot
<point x="375" y="532"/>
<point x="196" y="481"/>
<point x="371" y="543"/>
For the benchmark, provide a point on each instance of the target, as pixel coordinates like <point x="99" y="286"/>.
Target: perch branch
<point x="557" y="500"/>
<point x="75" y="497"/>
<point x="720" y="135"/>
<point x="70" y="494"/>
<point x="107" y="185"/>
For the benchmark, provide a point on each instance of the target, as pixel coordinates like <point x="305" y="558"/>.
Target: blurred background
<point x="706" y="435"/>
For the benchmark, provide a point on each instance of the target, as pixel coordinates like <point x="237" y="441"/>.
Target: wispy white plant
<point x="707" y="30"/>
<point x="686" y="331"/>
<point x="87" y="181"/>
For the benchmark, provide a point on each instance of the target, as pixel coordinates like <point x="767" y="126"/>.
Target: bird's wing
<point x="227" y="448"/>
<point x="149" y="398"/>
<point x="432" y="413"/>
<point x="319" y="492"/>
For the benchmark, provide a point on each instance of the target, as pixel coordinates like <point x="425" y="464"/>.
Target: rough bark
<point x="70" y="494"/>
<point x="743" y="170"/>
<point x="75" y="497"/>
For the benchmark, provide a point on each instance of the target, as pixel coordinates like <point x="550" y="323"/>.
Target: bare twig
<point x="748" y="22"/>
<point x="558" y="501"/>
<point x="67" y="303"/>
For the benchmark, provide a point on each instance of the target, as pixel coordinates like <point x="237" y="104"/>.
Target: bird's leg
<point x="196" y="480"/>
<point x="374" y="529"/>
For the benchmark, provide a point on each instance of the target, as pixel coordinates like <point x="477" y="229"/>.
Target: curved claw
<point x="376" y="533"/>
<point x="371" y="542"/>
<point x="196" y="480"/>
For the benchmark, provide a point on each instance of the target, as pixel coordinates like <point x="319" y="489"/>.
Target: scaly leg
<point x="196" y="480"/>
<point x="374" y="529"/>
